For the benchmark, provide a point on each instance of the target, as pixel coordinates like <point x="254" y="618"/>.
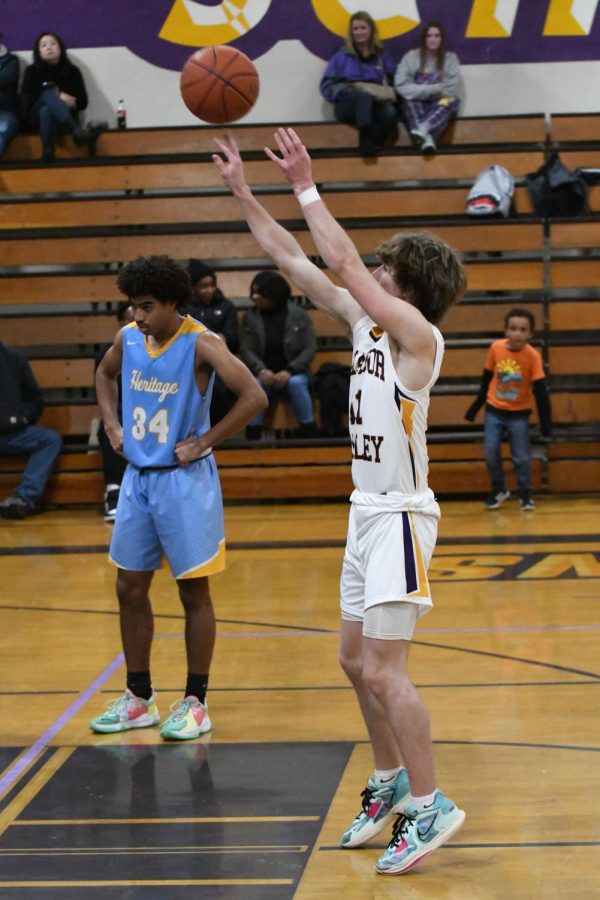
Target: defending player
<point x="397" y="353"/>
<point x="170" y="499"/>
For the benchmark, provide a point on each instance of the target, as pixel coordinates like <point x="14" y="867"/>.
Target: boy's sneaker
<point x="188" y="720"/>
<point x="526" y="503"/>
<point x="379" y="804"/>
<point x="417" y="833"/>
<point x="127" y="711"/>
<point x="496" y="499"/>
<point x="111" y="498"/>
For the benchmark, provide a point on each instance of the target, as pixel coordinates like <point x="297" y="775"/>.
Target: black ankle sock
<point x="196" y="686"/>
<point x="140" y="684"/>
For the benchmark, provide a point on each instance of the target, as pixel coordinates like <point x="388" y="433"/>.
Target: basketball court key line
<point x="42" y="742"/>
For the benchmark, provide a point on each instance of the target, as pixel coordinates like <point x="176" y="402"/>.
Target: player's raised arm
<point x="283" y="249"/>
<point x="400" y="319"/>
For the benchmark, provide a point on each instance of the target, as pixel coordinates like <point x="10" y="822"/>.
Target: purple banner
<point x="137" y="25"/>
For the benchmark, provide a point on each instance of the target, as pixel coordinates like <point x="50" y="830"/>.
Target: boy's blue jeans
<point x="42" y="445"/>
<point x="496" y="423"/>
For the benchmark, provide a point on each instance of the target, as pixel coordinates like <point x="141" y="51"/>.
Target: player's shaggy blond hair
<point x="427" y="271"/>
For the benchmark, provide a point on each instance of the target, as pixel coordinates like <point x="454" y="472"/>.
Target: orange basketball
<point x="219" y="84"/>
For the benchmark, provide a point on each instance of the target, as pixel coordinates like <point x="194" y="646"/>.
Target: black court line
<point x="328" y="687"/>
<point x="492" y="846"/>
<point x="530" y="662"/>
<point x="301" y="628"/>
<point x="178" y="617"/>
<point x="318" y="544"/>
<point x="525" y="745"/>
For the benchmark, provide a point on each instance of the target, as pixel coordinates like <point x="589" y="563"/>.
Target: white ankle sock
<point x="382" y="776"/>
<point x="419" y="803"/>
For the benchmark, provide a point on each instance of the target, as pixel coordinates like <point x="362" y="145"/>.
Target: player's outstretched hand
<point x="294" y="161"/>
<point x="231" y="168"/>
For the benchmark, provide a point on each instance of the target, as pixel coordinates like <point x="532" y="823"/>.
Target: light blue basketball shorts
<point x="176" y="513"/>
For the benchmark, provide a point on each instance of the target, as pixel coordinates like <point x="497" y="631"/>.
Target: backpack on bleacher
<point x="492" y="193"/>
<point x="557" y="191"/>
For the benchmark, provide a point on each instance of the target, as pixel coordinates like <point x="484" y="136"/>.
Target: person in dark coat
<point x="21" y="405"/>
<point x="9" y="97"/>
<point x="358" y="82"/>
<point x="53" y="94"/>
<point x="211" y="307"/>
<point x="278" y="344"/>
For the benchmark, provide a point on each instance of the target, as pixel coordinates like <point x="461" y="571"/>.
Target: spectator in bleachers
<point x="278" y="344"/>
<point x="9" y="96"/>
<point x="21" y="405"/>
<point x="358" y="81"/>
<point x="53" y="94"/>
<point x="513" y="371"/>
<point x="213" y="309"/>
<point x="427" y="81"/>
<point x="113" y="464"/>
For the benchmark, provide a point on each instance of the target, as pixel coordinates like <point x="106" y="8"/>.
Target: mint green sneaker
<point x="417" y="833"/>
<point x="127" y="711"/>
<point x="379" y="804"/>
<point x="188" y="720"/>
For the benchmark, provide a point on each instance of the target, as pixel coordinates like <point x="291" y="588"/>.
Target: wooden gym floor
<point x="507" y="663"/>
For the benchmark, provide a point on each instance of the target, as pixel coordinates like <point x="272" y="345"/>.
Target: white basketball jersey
<point x="387" y="422"/>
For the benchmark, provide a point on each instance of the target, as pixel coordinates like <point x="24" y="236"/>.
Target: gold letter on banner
<point x="334" y="14"/>
<point x="492" y="18"/>
<point x="198" y="25"/>
<point x="570" y="17"/>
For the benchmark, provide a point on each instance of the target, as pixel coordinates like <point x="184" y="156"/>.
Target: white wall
<point x="152" y="95"/>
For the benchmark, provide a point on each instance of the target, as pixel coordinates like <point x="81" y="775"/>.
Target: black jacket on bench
<point x="21" y="400"/>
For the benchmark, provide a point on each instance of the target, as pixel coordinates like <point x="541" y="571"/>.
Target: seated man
<point x="20" y="407"/>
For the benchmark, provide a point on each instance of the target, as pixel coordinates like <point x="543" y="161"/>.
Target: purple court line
<point x="42" y="742"/>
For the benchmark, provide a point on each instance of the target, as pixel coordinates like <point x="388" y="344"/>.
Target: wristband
<point x="310" y="195"/>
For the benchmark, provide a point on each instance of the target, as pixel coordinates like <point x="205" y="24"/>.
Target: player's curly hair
<point x="156" y="276"/>
<point x="428" y="272"/>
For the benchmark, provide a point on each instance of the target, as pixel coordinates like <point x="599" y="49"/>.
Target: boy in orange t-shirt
<point x="513" y="370"/>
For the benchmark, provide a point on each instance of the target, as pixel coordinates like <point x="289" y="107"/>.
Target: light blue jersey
<point x="166" y="510"/>
<point x="161" y="401"/>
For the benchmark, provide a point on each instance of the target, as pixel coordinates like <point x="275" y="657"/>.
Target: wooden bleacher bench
<point x="66" y="229"/>
<point x="569" y="128"/>
<point x="320" y="138"/>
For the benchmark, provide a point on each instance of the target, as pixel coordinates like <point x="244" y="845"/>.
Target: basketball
<point x="219" y="84"/>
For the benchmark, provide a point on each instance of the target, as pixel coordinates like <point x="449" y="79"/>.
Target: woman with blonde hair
<point x="358" y="82"/>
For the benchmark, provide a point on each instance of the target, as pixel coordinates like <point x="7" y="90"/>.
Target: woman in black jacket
<point x="53" y="93"/>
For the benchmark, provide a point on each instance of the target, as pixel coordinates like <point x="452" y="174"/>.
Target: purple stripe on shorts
<point x="410" y="569"/>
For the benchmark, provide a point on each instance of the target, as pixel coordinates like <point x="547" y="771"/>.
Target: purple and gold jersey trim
<point x="417" y="583"/>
